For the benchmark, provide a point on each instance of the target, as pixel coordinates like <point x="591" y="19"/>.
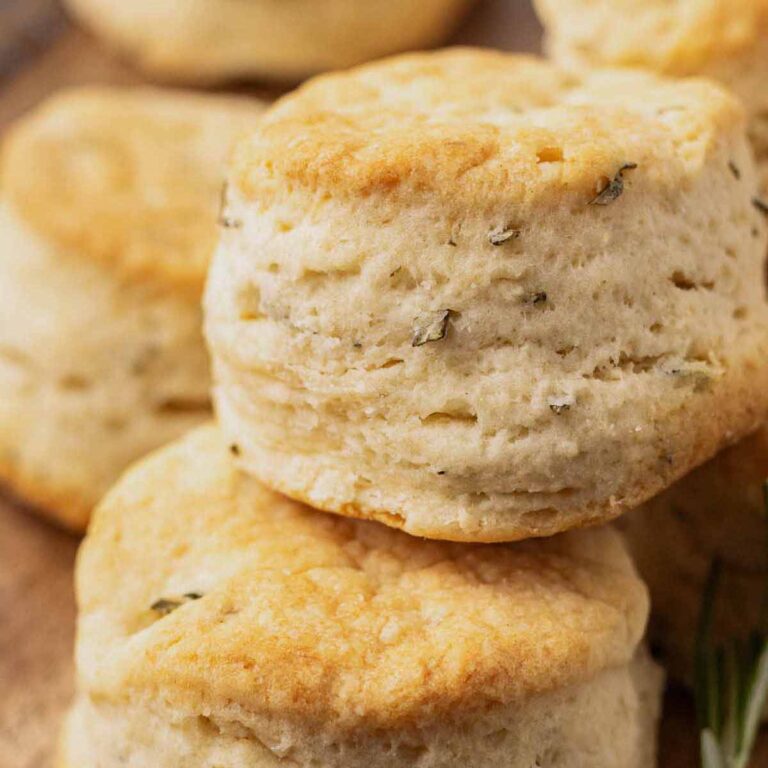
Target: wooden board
<point x="37" y="615"/>
<point x="40" y="51"/>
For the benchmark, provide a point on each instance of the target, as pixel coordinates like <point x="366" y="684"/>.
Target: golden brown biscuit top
<point x="291" y="613"/>
<point x="478" y="126"/>
<point x="678" y="37"/>
<point x="130" y="177"/>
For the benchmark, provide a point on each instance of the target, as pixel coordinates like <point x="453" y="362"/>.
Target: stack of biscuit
<point x="467" y="295"/>
<point x="717" y="514"/>
<point x="465" y="309"/>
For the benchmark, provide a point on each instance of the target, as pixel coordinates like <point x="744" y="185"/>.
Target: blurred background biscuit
<point x="479" y="298"/>
<point x="223" y="624"/>
<point x="208" y="40"/>
<point x="723" y="39"/>
<point x="717" y="513"/>
<point x="109" y="202"/>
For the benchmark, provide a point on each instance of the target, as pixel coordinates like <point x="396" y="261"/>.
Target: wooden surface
<point x="36" y="626"/>
<point x="39" y="53"/>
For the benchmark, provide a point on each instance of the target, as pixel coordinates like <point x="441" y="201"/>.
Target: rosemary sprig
<point x="731" y="684"/>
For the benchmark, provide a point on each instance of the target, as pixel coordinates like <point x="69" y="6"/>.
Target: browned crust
<point x="127" y="177"/>
<point x="307" y="571"/>
<point x="318" y="138"/>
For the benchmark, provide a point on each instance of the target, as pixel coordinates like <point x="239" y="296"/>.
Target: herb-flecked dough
<point x="286" y="636"/>
<point x="481" y="298"/>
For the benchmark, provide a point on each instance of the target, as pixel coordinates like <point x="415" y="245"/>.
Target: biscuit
<point x="108" y="207"/>
<point x="223" y="624"/>
<point x="723" y="39"/>
<point x="715" y="513"/>
<point x="209" y="40"/>
<point x="478" y="298"/>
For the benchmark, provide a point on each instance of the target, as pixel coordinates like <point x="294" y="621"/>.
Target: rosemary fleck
<point x="166" y="605"/>
<point x="614" y="189"/>
<point x="501" y="235"/>
<point x="431" y="326"/>
<point x="761" y="205"/>
<point x="734" y="170"/>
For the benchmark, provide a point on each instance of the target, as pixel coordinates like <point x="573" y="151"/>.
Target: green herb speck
<point x="166" y="605"/>
<point x="615" y="187"/>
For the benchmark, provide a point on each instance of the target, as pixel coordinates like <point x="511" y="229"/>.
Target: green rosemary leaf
<point x="707" y="672"/>
<point x="711" y="757"/>
<point x="731" y="684"/>
<point x="757" y="695"/>
<point x="733" y="699"/>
